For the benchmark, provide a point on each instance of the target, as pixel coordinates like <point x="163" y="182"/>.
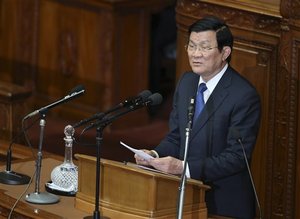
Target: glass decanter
<point x="65" y="176"/>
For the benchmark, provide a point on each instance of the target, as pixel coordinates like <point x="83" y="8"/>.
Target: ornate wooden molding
<point x="285" y="144"/>
<point x="233" y="17"/>
<point x="293" y="110"/>
<point x="290" y="9"/>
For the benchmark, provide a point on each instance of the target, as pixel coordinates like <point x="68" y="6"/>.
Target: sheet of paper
<point x="140" y="153"/>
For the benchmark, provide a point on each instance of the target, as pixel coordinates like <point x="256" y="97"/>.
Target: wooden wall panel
<point x="50" y="46"/>
<point x="266" y="51"/>
<point x="12" y="109"/>
<point x="18" y="41"/>
<point x="254" y="63"/>
<point x="75" y="51"/>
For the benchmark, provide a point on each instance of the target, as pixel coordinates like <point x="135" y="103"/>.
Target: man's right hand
<point x="141" y="161"/>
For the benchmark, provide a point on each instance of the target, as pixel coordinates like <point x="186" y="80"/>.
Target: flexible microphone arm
<point x="127" y="103"/>
<point x="77" y="91"/>
<point x="191" y="110"/>
<point x="84" y="121"/>
<point x="236" y="135"/>
<point x="107" y="120"/>
<point x="152" y="100"/>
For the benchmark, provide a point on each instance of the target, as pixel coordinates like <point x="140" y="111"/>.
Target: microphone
<point x="152" y="100"/>
<point x="131" y="101"/>
<point x="126" y="103"/>
<point x="75" y="92"/>
<point x="143" y="96"/>
<point x="191" y="110"/>
<point x="236" y="134"/>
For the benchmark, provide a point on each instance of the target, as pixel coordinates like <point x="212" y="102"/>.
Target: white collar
<point x="212" y="83"/>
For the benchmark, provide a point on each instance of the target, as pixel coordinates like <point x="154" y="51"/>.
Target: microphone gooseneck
<point x="127" y="103"/>
<point x="236" y="134"/>
<point x="76" y="92"/>
<point x="84" y="121"/>
<point x="152" y="100"/>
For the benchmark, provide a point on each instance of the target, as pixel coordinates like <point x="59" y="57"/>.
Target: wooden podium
<point x="130" y="192"/>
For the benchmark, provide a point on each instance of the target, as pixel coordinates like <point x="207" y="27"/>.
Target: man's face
<point x="204" y="55"/>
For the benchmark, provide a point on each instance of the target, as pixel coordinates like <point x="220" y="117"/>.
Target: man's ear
<point x="226" y="52"/>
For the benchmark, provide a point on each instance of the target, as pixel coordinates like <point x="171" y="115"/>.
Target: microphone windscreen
<point x="191" y="108"/>
<point x="76" y="89"/>
<point x="145" y="94"/>
<point x="155" y="99"/>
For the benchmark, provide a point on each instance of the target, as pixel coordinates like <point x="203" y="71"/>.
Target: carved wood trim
<point x="290" y="9"/>
<point x="233" y="17"/>
<point x="292" y="130"/>
<point x="296" y="66"/>
<point x="267" y="7"/>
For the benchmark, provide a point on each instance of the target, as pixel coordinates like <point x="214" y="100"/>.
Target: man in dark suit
<point x="231" y="104"/>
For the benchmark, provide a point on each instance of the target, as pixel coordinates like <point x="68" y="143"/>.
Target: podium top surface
<point x="139" y="169"/>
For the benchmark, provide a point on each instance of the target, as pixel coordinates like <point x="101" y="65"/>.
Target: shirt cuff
<point x="154" y="154"/>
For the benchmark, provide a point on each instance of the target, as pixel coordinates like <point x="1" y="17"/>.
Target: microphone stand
<point x="99" y="138"/>
<point x="38" y="197"/>
<point x="251" y="178"/>
<point x="236" y="134"/>
<point x="183" y="176"/>
<point x="100" y="125"/>
<point x="10" y="177"/>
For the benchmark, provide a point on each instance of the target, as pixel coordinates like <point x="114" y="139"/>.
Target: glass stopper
<point x="69" y="131"/>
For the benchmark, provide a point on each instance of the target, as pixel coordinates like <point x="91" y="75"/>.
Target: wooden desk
<point x="130" y="192"/>
<point x="9" y="193"/>
<point x="25" y="163"/>
<point x="13" y="107"/>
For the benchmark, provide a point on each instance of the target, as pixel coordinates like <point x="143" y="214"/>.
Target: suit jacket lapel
<point x="214" y="102"/>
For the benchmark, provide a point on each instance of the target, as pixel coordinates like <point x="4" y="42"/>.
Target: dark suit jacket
<point x="215" y="156"/>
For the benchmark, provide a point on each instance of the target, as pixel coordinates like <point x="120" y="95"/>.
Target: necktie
<point x="199" y="100"/>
